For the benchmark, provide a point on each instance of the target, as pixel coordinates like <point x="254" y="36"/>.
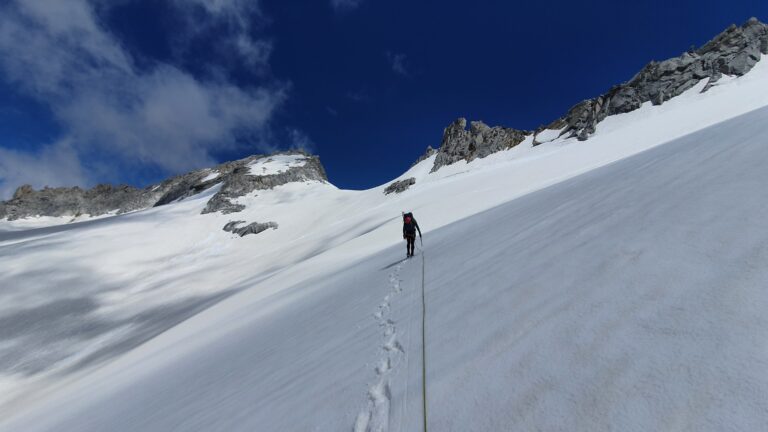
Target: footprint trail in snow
<point x="375" y="417"/>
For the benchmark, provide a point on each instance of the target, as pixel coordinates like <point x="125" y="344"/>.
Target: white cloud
<point x="239" y="17"/>
<point x="345" y="5"/>
<point x="58" y="53"/>
<point x="397" y="62"/>
<point x="55" y="164"/>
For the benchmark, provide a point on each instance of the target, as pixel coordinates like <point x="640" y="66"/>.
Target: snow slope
<point x="597" y="295"/>
<point x="628" y="298"/>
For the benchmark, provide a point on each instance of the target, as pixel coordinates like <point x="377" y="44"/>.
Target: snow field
<point x="590" y="311"/>
<point x="628" y="298"/>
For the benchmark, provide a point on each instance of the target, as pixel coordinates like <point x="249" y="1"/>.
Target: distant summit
<point x="236" y="179"/>
<point x="733" y="52"/>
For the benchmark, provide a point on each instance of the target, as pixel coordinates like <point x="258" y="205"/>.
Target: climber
<point x="410" y="226"/>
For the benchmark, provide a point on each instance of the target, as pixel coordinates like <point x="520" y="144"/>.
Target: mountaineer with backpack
<point x="409" y="232"/>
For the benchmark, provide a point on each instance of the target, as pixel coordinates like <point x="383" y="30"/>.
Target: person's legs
<point x="411" y="244"/>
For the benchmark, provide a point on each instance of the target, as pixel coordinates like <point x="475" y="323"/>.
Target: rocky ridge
<point x="479" y="141"/>
<point x="235" y="179"/>
<point x="240" y="183"/>
<point x="400" y="186"/>
<point x="733" y="52"/>
<point x="252" y="228"/>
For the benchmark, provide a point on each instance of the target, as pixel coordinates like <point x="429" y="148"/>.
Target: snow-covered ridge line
<point x="732" y="53"/>
<point x="237" y="178"/>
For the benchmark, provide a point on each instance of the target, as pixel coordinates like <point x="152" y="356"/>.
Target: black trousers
<point x="411" y="239"/>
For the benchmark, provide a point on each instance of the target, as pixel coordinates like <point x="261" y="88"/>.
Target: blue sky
<point x="131" y="91"/>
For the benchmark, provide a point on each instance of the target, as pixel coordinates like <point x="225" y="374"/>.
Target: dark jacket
<point x="411" y="228"/>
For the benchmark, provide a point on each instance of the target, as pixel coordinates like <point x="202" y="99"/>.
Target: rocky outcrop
<point x="240" y="182"/>
<point x="733" y="52"/>
<point x="101" y="199"/>
<point x="252" y="228"/>
<point x="399" y="186"/>
<point x="479" y="141"/>
<point x="235" y="178"/>
<point x="184" y="186"/>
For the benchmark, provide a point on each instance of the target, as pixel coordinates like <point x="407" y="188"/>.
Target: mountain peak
<point x="237" y="178"/>
<point x="733" y="52"/>
<point x="479" y="141"/>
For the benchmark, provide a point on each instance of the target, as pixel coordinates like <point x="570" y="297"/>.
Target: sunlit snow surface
<point x="629" y="298"/>
<point x="46" y="221"/>
<point x="276" y="164"/>
<point x="212" y="176"/>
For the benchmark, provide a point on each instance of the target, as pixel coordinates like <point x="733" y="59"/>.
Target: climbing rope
<point x="423" y="340"/>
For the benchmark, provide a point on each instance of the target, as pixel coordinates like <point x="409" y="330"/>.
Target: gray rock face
<point x="252" y="228"/>
<point x="75" y="201"/>
<point x="479" y="141"/>
<point x="733" y="52"/>
<point x="399" y="186"/>
<point x="234" y="176"/>
<point x="239" y="182"/>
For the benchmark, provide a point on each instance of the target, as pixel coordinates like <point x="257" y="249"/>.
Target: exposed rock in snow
<point x="477" y="142"/>
<point x="399" y="186"/>
<point x="184" y="186"/>
<point x="252" y="228"/>
<point x="236" y="177"/>
<point x="75" y="201"/>
<point x="733" y="52"/>
<point x="241" y="181"/>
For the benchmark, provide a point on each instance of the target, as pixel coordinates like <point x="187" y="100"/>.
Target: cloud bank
<point x="59" y="53"/>
<point x="57" y="163"/>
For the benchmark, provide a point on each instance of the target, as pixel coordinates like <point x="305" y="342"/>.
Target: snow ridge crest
<point x="733" y="52"/>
